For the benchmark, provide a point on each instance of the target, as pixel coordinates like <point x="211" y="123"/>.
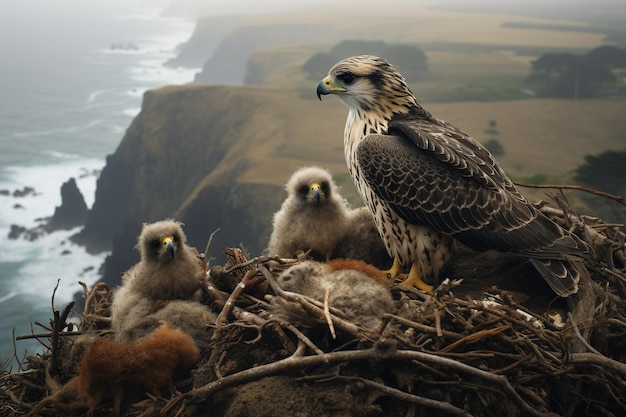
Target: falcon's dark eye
<point x="347" y="78"/>
<point x="155" y="244"/>
<point x="304" y="190"/>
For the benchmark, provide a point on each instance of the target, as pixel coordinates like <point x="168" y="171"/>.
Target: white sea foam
<point x="117" y="129"/>
<point x="92" y="97"/>
<point x="152" y="71"/>
<point x="59" y="155"/>
<point x="136" y="92"/>
<point x="123" y="51"/>
<point x="56" y="259"/>
<point x="7" y="296"/>
<point x="57" y="131"/>
<point x="131" y="112"/>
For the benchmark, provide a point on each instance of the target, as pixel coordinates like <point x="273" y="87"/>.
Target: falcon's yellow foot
<point x="414" y="279"/>
<point x="396" y="270"/>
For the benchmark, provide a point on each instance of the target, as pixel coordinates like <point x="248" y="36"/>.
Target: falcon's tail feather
<point x="561" y="275"/>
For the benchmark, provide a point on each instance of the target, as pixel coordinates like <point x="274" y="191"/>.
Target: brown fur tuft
<point x="358" y="265"/>
<point x="120" y="373"/>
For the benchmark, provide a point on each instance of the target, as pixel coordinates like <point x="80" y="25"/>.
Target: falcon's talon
<point x="414" y="280"/>
<point x="395" y="271"/>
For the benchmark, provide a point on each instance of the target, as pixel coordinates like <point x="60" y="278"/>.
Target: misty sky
<point x="40" y="29"/>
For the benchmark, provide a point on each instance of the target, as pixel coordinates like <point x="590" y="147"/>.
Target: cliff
<point x="206" y="37"/>
<point x="228" y="63"/>
<point x="212" y="157"/>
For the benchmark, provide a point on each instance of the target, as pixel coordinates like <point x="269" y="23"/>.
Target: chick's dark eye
<point x="347" y="78"/>
<point x="154" y="244"/>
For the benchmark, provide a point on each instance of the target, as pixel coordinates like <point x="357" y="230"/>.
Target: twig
<point x="423" y="327"/>
<point x="580" y="337"/>
<point x="258" y="259"/>
<point x="55" y="332"/>
<point x="37" y="335"/>
<point x="601" y="360"/>
<point x="249" y="317"/>
<point x="613" y="197"/>
<point x="208" y="245"/>
<point x="438" y="322"/>
<point x="404" y="396"/>
<point x="329" y="320"/>
<point x="230" y="302"/>
<point x="473" y="337"/>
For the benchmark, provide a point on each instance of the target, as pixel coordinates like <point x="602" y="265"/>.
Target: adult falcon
<point x="428" y="183"/>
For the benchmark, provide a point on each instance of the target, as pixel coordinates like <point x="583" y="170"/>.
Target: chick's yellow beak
<point x="316" y="191"/>
<point x="168" y="244"/>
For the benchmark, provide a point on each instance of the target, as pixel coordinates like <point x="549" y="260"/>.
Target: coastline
<point x="56" y="138"/>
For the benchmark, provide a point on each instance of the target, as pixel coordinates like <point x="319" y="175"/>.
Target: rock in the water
<point x="26" y="191"/>
<point x="73" y="210"/>
<point x="31" y="235"/>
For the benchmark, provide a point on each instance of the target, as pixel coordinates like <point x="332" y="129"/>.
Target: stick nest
<point x="471" y="348"/>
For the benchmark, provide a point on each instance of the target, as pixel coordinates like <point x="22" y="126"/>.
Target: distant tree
<point x="553" y="65"/>
<point x="608" y="56"/>
<point x="570" y="75"/>
<point x="492" y="144"/>
<point x="605" y="172"/>
<point x="495" y="147"/>
<point x="493" y="128"/>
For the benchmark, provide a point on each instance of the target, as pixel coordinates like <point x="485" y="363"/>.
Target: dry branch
<point x="613" y="197"/>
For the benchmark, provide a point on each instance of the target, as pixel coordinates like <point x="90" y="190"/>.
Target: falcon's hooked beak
<point x="168" y="244"/>
<point x="326" y="86"/>
<point x="316" y="191"/>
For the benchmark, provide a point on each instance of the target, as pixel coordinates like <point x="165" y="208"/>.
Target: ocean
<point x="72" y="76"/>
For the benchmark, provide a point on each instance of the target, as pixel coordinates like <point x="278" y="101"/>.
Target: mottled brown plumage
<point x="428" y="183"/>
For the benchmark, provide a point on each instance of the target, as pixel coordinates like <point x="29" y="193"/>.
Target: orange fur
<point x="110" y="371"/>
<point x="358" y="265"/>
